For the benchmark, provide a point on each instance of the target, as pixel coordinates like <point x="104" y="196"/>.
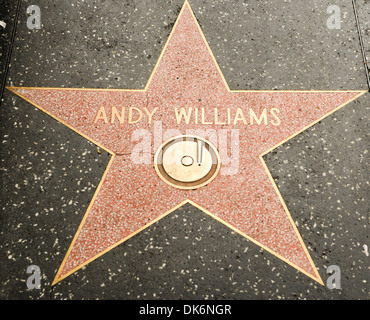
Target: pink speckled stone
<point x="132" y="195"/>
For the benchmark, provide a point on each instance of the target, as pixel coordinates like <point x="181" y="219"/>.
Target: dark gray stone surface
<point x="363" y="11"/>
<point x="283" y="45"/>
<point x="49" y="173"/>
<point x="271" y="45"/>
<point x="47" y="185"/>
<point x="8" y="10"/>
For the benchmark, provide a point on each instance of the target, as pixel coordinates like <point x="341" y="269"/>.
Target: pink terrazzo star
<point x="131" y="196"/>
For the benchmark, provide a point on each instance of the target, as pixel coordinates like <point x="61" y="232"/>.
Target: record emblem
<point x="187" y="162"/>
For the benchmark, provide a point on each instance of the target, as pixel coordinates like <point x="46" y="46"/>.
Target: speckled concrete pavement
<point x="363" y="8"/>
<point x="49" y="173"/>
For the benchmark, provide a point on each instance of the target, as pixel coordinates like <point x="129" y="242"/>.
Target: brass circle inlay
<point x="187" y="162"/>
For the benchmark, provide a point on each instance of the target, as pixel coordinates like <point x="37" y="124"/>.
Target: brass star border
<point x="316" y="276"/>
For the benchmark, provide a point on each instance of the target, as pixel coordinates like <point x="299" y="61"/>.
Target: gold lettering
<point x="150" y="115"/>
<point x="101" y="116"/>
<point x="130" y="121"/>
<point x="239" y="116"/>
<point x="121" y="117"/>
<point x="216" y="118"/>
<point x="183" y="114"/>
<point x="273" y="113"/>
<point x="203" y="116"/>
<point x="254" y="117"/>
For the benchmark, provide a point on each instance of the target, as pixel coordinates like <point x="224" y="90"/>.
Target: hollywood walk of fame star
<point x="132" y="196"/>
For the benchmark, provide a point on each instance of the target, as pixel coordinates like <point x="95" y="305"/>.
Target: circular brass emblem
<point x="187" y="162"/>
